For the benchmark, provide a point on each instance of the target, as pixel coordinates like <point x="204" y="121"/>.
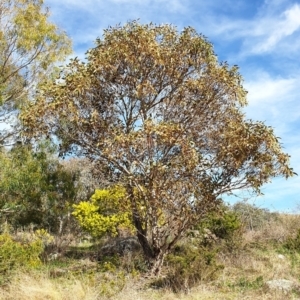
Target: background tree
<point x="36" y="189"/>
<point x="157" y="108"/>
<point x="89" y="176"/>
<point x="253" y="217"/>
<point x="30" y="46"/>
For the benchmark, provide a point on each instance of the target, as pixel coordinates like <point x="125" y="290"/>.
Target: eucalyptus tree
<point x="30" y="46"/>
<point x="157" y="108"/>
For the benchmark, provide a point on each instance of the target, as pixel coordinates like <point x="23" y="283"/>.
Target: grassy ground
<point x="242" y="278"/>
<point x="261" y="258"/>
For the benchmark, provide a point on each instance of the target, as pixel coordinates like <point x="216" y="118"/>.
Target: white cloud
<point x="275" y="100"/>
<point x="276" y="30"/>
<point x="269" y="31"/>
<point x="265" y="89"/>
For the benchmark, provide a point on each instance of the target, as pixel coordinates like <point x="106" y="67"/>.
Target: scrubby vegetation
<point x="221" y="258"/>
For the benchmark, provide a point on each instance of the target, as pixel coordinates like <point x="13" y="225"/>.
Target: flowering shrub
<point x="107" y="212"/>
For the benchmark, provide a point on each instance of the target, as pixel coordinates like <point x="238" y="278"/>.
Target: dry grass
<point x="39" y="287"/>
<point x="243" y="277"/>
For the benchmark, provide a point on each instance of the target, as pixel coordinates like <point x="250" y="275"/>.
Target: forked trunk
<point x="154" y="257"/>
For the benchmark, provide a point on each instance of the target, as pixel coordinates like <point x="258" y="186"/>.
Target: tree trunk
<point x="141" y="232"/>
<point x="141" y="235"/>
<point x="153" y="255"/>
<point x="157" y="263"/>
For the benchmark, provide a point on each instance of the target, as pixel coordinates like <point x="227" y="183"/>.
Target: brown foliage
<point x="158" y="110"/>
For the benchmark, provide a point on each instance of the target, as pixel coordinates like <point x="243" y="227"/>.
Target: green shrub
<point x="221" y="228"/>
<point x="15" y="254"/>
<point x="111" y="283"/>
<point x="195" y="259"/>
<point x="187" y="265"/>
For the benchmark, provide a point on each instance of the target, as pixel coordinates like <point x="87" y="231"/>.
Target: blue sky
<point x="261" y="36"/>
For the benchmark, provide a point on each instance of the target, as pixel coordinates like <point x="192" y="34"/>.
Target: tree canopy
<point x="30" y="45"/>
<point x="157" y="108"/>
